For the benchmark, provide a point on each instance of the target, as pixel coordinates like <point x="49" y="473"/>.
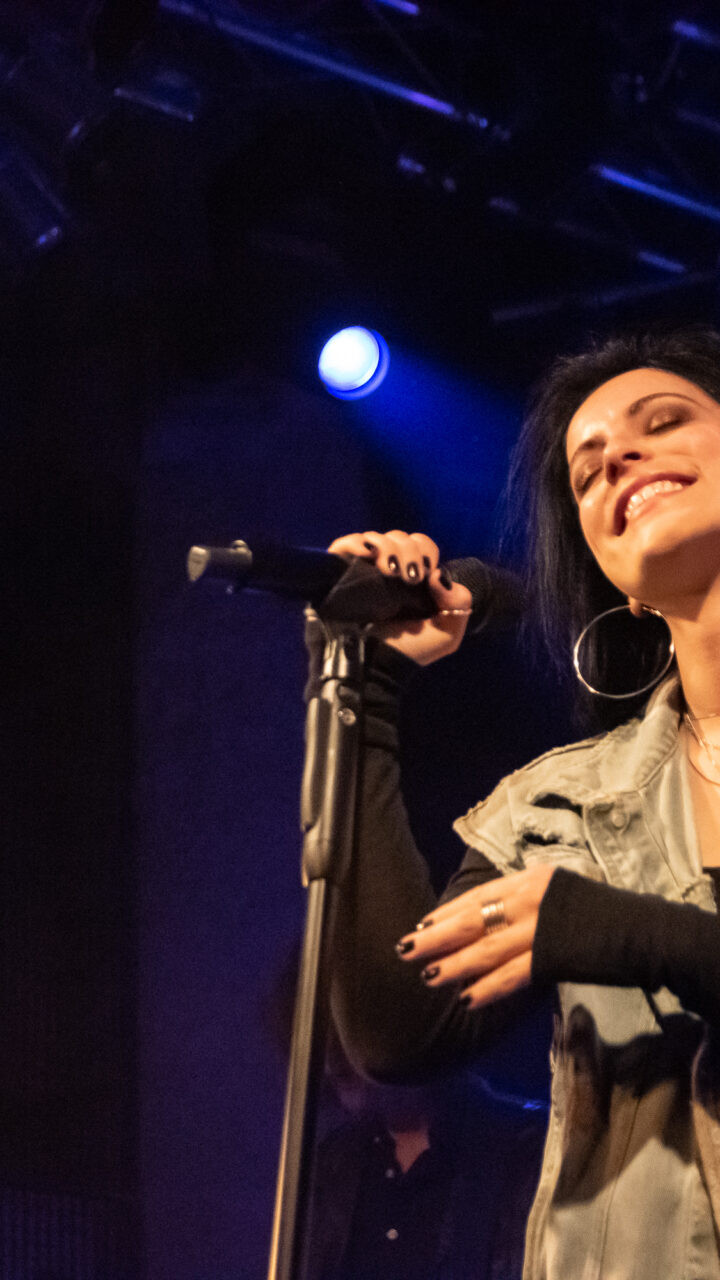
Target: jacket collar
<point x="624" y="760"/>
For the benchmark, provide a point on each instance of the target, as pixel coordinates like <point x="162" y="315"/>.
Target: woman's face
<point x="644" y="461"/>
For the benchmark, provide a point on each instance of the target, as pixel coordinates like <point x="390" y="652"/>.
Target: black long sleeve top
<point x="587" y="931"/>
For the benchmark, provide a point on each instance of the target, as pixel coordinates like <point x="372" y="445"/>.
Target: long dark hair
<point x="565" y="585"/>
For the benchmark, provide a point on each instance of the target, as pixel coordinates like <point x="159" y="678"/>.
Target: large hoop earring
<point x="634" y="693"/>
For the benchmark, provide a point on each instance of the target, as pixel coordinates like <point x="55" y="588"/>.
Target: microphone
<point x="354" y="591"/>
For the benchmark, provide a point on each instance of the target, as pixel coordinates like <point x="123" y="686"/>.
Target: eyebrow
<point x="591" y="442"/>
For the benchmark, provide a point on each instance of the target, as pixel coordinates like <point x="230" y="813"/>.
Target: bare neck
<point x="409" y="1144"/>
<point x="695" y="627"/>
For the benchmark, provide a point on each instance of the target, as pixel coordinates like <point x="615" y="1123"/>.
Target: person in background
<point x="431" y="1182"/>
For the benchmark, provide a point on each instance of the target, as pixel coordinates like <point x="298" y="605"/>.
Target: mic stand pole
<point x="329" y="786"/>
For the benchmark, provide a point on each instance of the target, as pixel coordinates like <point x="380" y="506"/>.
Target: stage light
<point x="353" y="362"/>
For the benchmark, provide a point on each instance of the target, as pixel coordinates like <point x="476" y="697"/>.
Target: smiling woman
<point x="630" y="456"/>
<point x="609" y="849"/>
<point x="671" y="379"/>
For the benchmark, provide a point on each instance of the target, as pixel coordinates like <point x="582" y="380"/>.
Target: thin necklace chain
<point x="711" y="752"/>
<point x="714" y="782"/>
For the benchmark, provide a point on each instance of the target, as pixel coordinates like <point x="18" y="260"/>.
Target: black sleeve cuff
<point x="387" y="675"/>
<point x="593" y="932"/>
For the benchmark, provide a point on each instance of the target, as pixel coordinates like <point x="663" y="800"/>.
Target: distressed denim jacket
<point x="630" y="1181"/>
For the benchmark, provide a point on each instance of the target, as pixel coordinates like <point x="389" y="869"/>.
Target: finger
<point x="456" y="923"/>
<point x="384" y="548"/>
<point x="443" y="938"/>
<point x="404" y="556"/>
<point x="429" y="551"/>
<point x="502" y="982"/>
<point x="449" y="622"/>
<point x="519" y="892"/>
<point x="449" y="595"/>
<point x="411" y="556"/>
<point x="471" y="962"/>
<point x="363" y="545"/>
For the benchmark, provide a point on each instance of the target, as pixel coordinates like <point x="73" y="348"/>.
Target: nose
<point x="618" y="457"/>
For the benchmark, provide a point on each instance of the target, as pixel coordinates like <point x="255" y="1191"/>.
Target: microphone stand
<point x="328" y="796"/>
<point x="329" y="786"/>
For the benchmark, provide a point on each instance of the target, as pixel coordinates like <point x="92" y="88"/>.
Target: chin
<point x="667" y="573"/>
<point x="666" y="552"/>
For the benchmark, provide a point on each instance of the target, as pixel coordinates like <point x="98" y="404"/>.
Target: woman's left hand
<point x="455" y="946"/>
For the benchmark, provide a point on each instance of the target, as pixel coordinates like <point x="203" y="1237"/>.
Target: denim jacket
<point x="630" y="1182"/>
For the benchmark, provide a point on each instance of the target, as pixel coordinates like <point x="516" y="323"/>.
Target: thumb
<point x="449" y="598"/>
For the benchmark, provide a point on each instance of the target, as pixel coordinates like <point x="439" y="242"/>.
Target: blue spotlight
<point x="353" y="362"/>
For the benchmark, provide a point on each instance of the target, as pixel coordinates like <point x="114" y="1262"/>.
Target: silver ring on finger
<point x="493" y="916"/>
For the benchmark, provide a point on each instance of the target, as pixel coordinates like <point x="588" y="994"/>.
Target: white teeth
<point x="648" y="491"/>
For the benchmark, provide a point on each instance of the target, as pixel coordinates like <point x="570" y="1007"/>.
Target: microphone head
<point x="498" y="595"/>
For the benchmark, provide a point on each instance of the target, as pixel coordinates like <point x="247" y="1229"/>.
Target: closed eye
<point x="665" y="424"/>
<point x="662" y="417"/>
<point x="657" y="424"/>
<point x="665" y="419"/>
<point x="583" y="481"/>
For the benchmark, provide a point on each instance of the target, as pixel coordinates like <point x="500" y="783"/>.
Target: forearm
<point x="393" y="1026"/>
<point x="590" y="932"/>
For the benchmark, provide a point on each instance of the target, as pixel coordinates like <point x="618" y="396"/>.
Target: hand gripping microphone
<point x="354" y="591"/>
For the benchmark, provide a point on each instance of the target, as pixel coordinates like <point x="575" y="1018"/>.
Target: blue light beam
<point x="232" y="23"/>
<point x="664" y="194"/>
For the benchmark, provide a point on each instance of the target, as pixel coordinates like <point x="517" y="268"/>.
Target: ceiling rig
<point x="544" y="158"/>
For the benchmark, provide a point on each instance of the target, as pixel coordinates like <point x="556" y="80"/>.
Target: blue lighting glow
<point x="222" y="18"/>
<point x="353" y="362"/>
<point x="664" y="194"/>
<point x="402" y="6"/>
<point x="699" y="35"/>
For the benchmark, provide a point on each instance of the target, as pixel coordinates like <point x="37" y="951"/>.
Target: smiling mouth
<point x="655" y="488"/>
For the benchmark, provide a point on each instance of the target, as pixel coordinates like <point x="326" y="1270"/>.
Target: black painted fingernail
<point x="370" y="546"/>
<point x="445" y="579"/>
<point x="431" y="972"/>
<point x="393" y="564"/>
<point x="427" y="562"/>
<point x="423" y="924"/>
<point x="413" y="572"/>
<point x="465" y="1000"/>
<point x="403" y="948"/>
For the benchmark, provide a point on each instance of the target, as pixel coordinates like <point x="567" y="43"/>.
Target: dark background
<point x="189" y="204"/>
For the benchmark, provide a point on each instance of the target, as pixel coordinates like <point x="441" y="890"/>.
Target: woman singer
<point x="608" y="849"/>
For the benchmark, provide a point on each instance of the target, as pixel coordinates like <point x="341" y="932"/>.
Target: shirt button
<point x="389" y="1173"/>
<point x="618" y="819"/>
<point x="392" y="1234"/>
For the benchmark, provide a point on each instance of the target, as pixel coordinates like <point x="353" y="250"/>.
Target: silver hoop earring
<point x="634" y="692"/>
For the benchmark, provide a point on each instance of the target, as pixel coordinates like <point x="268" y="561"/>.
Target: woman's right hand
<point x="414" y="556"/>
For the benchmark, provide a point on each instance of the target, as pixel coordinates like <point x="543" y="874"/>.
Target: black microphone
<point x="354" y="591"/>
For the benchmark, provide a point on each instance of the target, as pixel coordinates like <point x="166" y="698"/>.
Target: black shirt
<point x="398" y="1216"/>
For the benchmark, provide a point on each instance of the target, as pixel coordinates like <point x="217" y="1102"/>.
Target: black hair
<point x="566" y="587"/>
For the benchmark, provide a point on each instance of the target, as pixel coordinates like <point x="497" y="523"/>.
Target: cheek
<point x="600" y="546"/>
<point x="590" y="525"/>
